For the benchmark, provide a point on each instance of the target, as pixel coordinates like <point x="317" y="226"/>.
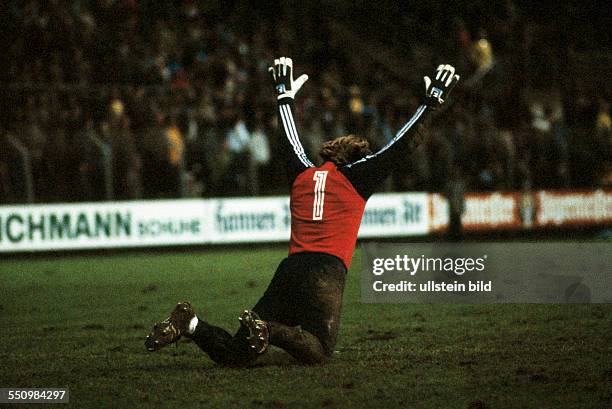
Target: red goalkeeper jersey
<point x="327" y="202"/>
<point x="326" y="212"/>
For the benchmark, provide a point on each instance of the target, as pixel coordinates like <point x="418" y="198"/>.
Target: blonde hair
<point x="344" y="150"/>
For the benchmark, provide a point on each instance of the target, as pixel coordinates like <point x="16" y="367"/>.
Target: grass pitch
<point x="80" y="321"/>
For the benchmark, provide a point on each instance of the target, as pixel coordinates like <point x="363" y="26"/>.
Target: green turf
<point x="80" y="321"/>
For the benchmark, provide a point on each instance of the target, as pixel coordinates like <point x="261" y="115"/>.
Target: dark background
<point x="107" y="99"/>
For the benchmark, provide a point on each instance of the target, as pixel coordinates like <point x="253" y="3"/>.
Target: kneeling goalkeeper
<point x="300" y="310"/>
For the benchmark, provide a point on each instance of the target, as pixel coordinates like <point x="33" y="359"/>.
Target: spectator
<point x="455" y="191"/>
<point x="238" y="140"/>
<point x="175" y="160"/>
<point x="168" y="89"/>
<point x="259" y="150"/>
<point x="95" y="170"/>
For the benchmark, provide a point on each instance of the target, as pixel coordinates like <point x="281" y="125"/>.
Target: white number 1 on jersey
<point x="319" y="194"/>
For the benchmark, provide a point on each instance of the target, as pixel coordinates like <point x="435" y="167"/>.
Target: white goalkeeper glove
<point x="437" y="90"/>
<point x="282" y="74"/>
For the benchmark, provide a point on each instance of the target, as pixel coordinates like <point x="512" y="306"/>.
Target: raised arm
<point x="287" y="87"/>
<point x="369" y="172"/>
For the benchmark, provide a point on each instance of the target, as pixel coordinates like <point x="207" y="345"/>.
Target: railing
<point x="21" y="185"/>
<point x="106" y="155"/>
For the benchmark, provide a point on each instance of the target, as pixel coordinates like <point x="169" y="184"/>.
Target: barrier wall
<point x="209" y="221"/>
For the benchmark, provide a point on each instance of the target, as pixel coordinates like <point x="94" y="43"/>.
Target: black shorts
<point x="306" y="291"/>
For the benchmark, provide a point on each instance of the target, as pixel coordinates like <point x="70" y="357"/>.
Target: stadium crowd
<point x="133" y="99"/>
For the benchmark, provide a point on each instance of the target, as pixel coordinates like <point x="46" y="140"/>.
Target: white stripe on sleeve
<point x="397" y="137"/>
<point x="292" y="135"/>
